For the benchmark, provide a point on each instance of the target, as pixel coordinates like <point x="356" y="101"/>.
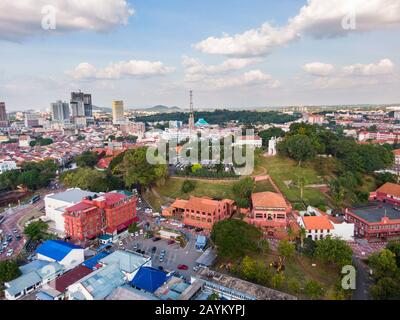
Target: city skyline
<point x="232" y="56"/>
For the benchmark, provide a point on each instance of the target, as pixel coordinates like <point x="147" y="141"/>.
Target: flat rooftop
<point x="255" y="291"/>
<point x="376" y="212"/>
<point x="74" y="195"/>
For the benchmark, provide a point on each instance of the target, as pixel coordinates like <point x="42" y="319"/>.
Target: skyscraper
<point x="81" y="104"/>
<point x="118" y="112"/>
<point x="3" y="114"/>
<point x="60" y="111"/>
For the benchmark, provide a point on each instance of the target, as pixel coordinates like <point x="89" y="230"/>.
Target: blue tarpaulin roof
<point x="43" y="296"/>
<point x="149" y="279"/>
<point x="56" y="249"/>
<point x="94" y="261"/>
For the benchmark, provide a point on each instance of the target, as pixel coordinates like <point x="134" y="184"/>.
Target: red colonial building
<point x="375" y="223"/>
<point x="379" y="221"/>
<point x="107" y="213"/>
<point x="201" y="212"/>
<point x="269" y="212"/>
<point x="388" y="193"/>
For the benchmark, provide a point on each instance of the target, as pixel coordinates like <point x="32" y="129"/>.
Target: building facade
<point x="60" y="112"/>
<point x="108" y="213"/>
<point x="201" y="212"/>
<point x="118" y="112"/>
<point x="269" y="211"/>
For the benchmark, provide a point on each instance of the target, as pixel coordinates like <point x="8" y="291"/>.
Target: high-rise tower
<point x="191" y="116"/>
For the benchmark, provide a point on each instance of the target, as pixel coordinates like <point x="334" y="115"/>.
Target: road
<point x="363" y="281"/>
<point x="13" y="215"/>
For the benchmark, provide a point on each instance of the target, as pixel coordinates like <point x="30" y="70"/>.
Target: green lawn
<point x="284" y="169"/>
<point x="218" y="189"/>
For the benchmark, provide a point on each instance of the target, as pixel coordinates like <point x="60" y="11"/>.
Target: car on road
<point x="15" y="231"/>
<point x="10" y="252"/>
<point x="136" y="246"/>
<point x="155" y="239"/>
<point x="161" y="258"/>
<point x="154" y="249"/>
<point x="121" y="243"/>
<point x="183" y="267"/>
<point x="148" y="210"/>
<point x="171" y="242"/>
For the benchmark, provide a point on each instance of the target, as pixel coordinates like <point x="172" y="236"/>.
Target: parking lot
<point x="174" y="254"/>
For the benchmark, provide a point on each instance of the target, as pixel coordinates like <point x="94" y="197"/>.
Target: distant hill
<point x="159" y="109"/>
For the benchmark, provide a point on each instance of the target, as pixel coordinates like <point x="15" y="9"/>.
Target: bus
<point x="35" y="199"/>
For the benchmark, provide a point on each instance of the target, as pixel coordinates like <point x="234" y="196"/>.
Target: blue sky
<point x="165" y="49"/>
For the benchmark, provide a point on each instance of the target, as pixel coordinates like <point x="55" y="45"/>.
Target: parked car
<point x="154" y="249"/>
<point x="196" y="268"/>
<point x="10" y="252"/>
<point x="135" y="247"/>
<point x="15" y="231"/>
<point x="121" y="243"/>
<point x="136" y="234"/>
<point x="171" y="242"/>
<point x="161" y="258"/>
<point x="141" y="231"/>
<point x="199" y="229"/>
<point x="183" y="267"/>
<point x="155" y="239"/>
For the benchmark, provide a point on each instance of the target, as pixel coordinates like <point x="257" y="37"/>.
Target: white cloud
<point x="195" y="70"/>
<point x="118" y="70"/>
<point x="23" y="18"/>
<point x="250" y="78"/>
<point x="351" y="75"/>
<point x="319" y="68"/>
<point x="319" y="18"/>
<point x="385" y="66"/>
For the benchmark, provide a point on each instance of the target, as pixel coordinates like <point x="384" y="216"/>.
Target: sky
<point x="231" y="53"/>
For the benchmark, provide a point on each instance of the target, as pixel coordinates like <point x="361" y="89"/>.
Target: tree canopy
<point x="333" y="250"/>
<point x="9" y="270"/>
<point x="135" y="169"/>
<point x="87" y="159"/>
<point x="234" y="238"/>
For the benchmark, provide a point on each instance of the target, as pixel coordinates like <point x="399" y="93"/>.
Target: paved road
<point x="363" y="281"/>
<point x="13" y="215"/>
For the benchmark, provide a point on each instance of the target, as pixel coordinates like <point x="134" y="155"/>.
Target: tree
<point x="235" y="238"/>
<point x="36" y="230"/>
<point x="248" y="268"/>
<point x="9" y="270"/>
<point x="242" y="191"/>
<point x="302" y="235"/>
<point x="286" y="249"/>
<point x="135" y="169"/>
<point x="333" y="250"/>
<point x="266" y="135"/>
<point x="188" y="186"/>
<point x="314" y="289"/>
<point x="386" y="289"/>
<point x="264" y="246"/>
<point x="382" y="178"/>
<point x="213" y="296"/>
<point x="196" y="167"/>
<point x="133" y="228"/>
<point x="394" y="246"/>
<point x="383" y="264"/>
<point x="298" y="147"/>
<point x="87" y="159"/>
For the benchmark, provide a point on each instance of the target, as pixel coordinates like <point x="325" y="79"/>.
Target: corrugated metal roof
<point x="149" y="279"/>
<point x="56" y="249"/>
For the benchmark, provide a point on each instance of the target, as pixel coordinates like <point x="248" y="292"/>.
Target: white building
<point x="7" y="165"/>
<point x="55" y="205"/>
<point x="253" y="141"/>
<point x="321" y="225"/>
<point x="24" y="141"/>
<point x="66" y="254"/>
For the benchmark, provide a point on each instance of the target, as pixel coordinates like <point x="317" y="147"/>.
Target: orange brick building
<point x="269" y="211"/>
<point x="201" y="212"/>
<point x="107" y="213"/>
